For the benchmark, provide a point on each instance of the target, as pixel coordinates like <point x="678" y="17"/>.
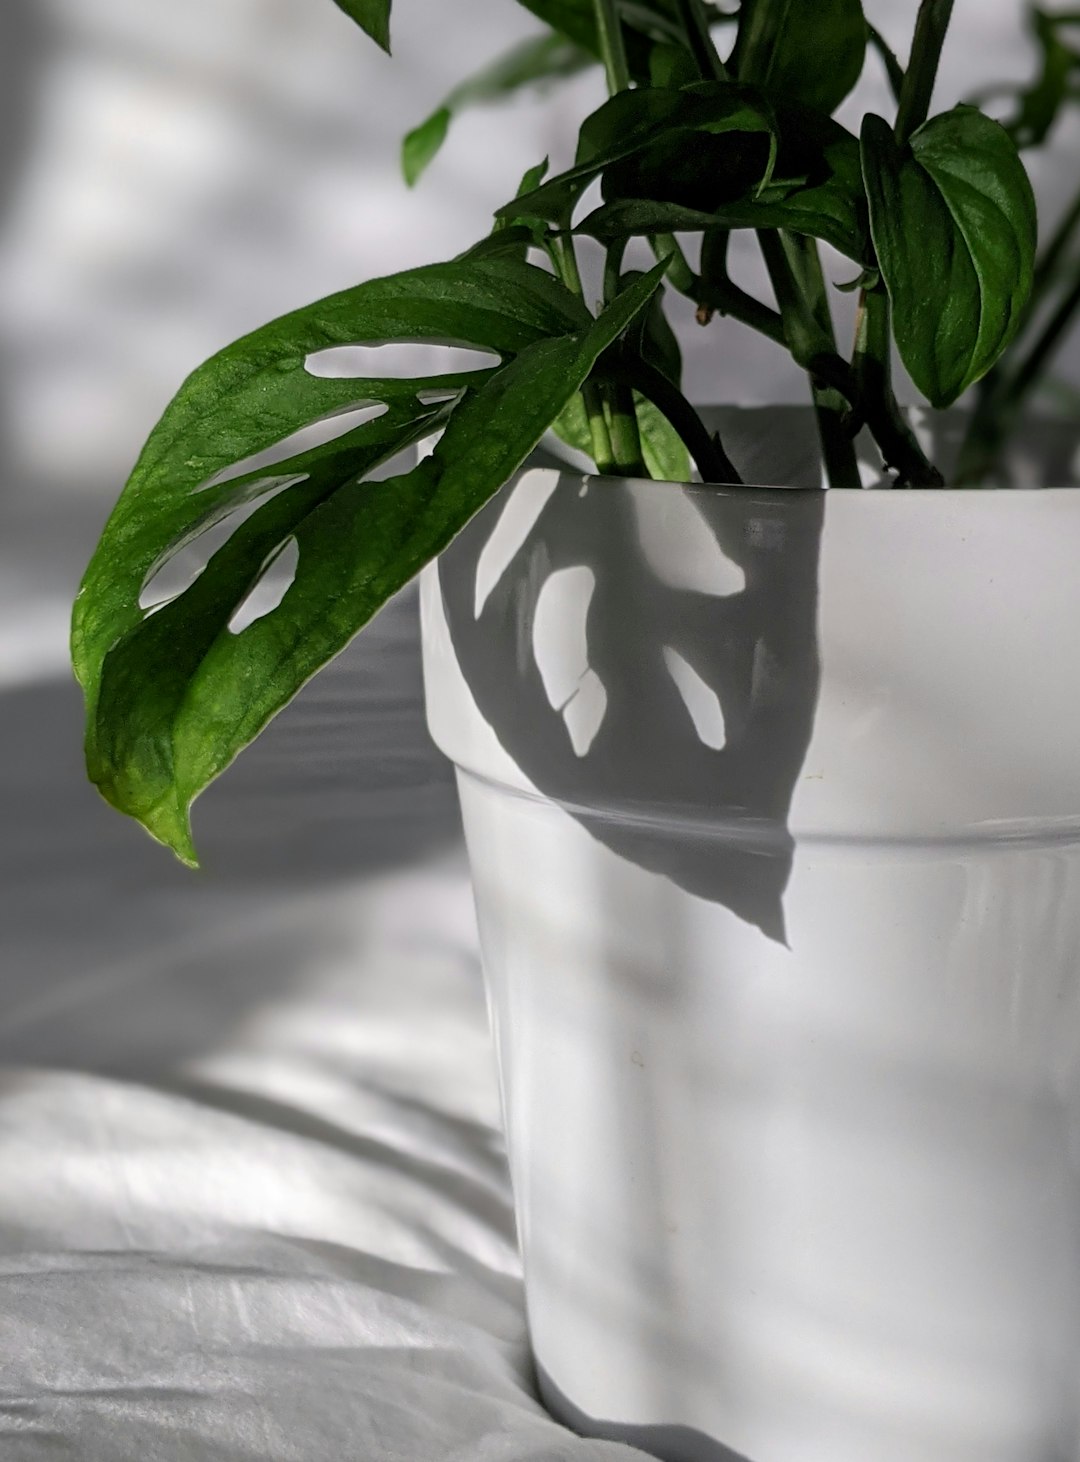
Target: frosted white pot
<point x="772" y="802"/>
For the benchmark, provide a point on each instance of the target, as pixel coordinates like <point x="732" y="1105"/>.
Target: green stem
<point x="618" y="401"/>
<point x="795" y="270"/>
<point x="1051" y="257"/>
<point x="709" y="456"/>
<point x="999" y="408"/>
<point x="623" y="425"/>
<point x="613" y="269"/>
<point x="893" y="70"/>
<point x="562" y="252"/>
<point x="716" y="294"/>
<point x="700" y="41"/>
<point x="872" y="366"/>
<point x="679" y="274"/>
<point x="612" y="46"/>
<point x="990" y="422"/>
<point x="917" y="90"/>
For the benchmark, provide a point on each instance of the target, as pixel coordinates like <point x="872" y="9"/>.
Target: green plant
<point x="714" y="122"/>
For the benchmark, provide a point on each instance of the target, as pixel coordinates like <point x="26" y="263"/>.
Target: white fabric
<point x="253" y="1198"/>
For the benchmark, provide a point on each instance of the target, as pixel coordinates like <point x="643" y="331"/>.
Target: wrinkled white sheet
<point x="253" y="1199"/>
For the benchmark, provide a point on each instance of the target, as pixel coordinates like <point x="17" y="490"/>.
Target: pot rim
<point x="775" y="491"/>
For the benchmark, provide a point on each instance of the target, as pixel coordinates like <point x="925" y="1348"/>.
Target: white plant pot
<point x="772" y="801"/>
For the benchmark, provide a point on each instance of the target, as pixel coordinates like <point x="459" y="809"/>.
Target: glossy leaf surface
<point x="809" y="52"/>
<point x="372" y="16"/>
<point x="953" y="224"/>
<point x="657" y="133"/>
<point x="173" y="694"/>
<point x="816" y="189"/>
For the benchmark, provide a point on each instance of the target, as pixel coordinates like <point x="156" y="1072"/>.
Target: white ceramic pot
<point x="772" y="801"/>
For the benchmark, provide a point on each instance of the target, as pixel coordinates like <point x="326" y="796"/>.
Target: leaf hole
<point x="178" y="570"/>
<point x="274" y="583"/>
<point x="436" y="397"/>
<point x="315" y="434"/>
<point x="399" y="361"/>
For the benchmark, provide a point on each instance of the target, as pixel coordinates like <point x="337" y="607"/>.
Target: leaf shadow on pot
<point x="673" y="1443"/>
<point x="647" y="656"/>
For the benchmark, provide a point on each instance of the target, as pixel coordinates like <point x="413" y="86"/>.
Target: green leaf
<point x="1041" y="103"/>
<point x="142" y="747"/>
<point x="576" y="20"/>
<point x="422" y="143"/>
<point x="953" y="224"/>
<point x="806" y="52"/>
<point x="511" y="236"/>
<point x="663" y="449"/>
<point x="514" y="241"/>
<point x="671" y="66"/>
<point x="372" y="16"/>
<point x="816" y="190"/>
<point x="548" y="58"/>
<point x="661" y="134"/>
<point x="572" y="425"/>
<point x="173" y="694"/>
<point x="258" y="392"/>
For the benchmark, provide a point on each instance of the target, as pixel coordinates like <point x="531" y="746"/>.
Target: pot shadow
<point x="670" y="1442"/>
<point x="708" y="814"/>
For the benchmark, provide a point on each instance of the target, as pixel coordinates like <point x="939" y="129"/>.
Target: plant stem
<point x="620" y="418"/>
<point x="612" y="47"/>
<point x="623" y="426"/>
<point x="1001" y="404"/>
<point x="1047" y="266"/>
<point x="613" y="269"/>
<point x="679" y="273"/>
<point x="700" y="41"/>
<point x="991" y="420"/>
<point x="872" y="365"/>
<point x="918" y="87"/>
<point x="562" y="252"/>
<point x="893" y="70"/>
<point x="795" y="270"/>
<point x="709" y="456"/>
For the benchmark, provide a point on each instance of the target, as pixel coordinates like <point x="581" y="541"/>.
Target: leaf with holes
<point x="372" y="16"/>
<point x="259" y="391"/>
<point x="953" y="223"/>
<point x="532" y="64"/>
<point x="176" y="695"/>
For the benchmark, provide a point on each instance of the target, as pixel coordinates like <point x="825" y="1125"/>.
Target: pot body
<point x="772" y="800"/>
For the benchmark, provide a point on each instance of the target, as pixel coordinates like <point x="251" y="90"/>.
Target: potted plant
<point x="772" y="795"/>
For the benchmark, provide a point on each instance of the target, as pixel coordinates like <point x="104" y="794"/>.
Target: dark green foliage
<point x="172" y="694"/>
<point x="809" y="52"/>
<point x="953" y="222"/>
<point x="936" y="215"/>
